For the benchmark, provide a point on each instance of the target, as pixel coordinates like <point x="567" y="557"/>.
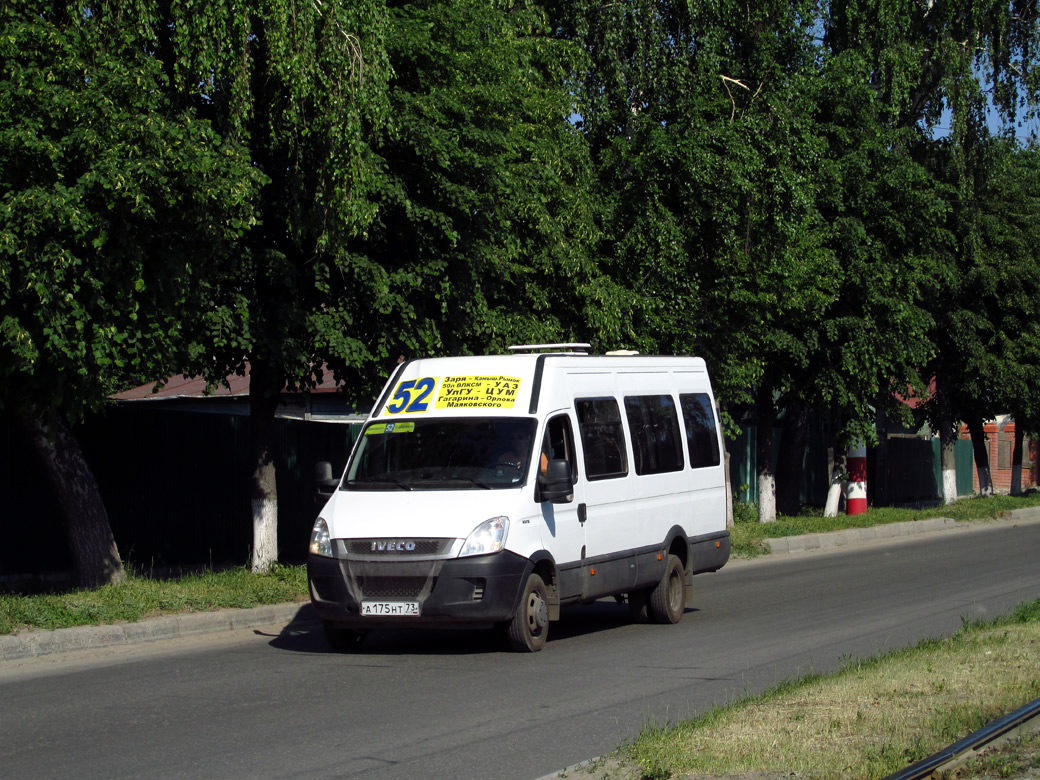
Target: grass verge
<point x="748" y="534"/>
<point x="868" y="720"/>
<point x="141" y="596"/>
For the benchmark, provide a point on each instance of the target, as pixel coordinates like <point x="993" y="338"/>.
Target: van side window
<point x="654" y="424"/>
<point x="699" y="417"/>
<point x="602" y="437"/>
<point x="558" y="444"/>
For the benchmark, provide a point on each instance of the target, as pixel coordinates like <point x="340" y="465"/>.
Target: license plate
<point x="390" y="608"/>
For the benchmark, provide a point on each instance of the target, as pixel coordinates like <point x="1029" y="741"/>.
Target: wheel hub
<point x="537" y="613"/>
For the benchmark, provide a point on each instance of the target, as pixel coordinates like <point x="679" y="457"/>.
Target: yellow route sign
<point x="477" y="392"/>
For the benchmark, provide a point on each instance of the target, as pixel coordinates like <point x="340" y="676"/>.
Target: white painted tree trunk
<point x="838" y="463"/>
<point x="830" y="509"/>
<point x="265" y="533"/>
<point x="949" y="485"/>
<point x="949" y="472"/>
<point x="766" y="497"/>
<point x="265" y="382"/>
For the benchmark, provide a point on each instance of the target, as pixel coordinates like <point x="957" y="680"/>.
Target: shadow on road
<point x="304" y="634"/>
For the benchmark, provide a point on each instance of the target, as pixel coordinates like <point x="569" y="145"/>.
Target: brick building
<point x="1000" y="436"/>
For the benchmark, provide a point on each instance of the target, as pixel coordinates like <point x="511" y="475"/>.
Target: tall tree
<point x="1010" y="237"/>
<point x="483" y="209"/>
<point x="699" y="119"/>
<point x="111" y="203"/>
<point x="965" y="63"/>
<point x="300" y="86"/>
<point x="886" y="219"/>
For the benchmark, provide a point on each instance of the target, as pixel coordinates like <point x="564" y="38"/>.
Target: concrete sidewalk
<point x="27" y="644"/>
<point x="853" y="536"/>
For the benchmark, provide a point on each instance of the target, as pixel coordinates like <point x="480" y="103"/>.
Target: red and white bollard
<point x="856" y="487"/>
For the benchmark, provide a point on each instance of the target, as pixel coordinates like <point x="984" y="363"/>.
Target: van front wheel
<point x="668" y="598"/>
<point x="529" y="627"/>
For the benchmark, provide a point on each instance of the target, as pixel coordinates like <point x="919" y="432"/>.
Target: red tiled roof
<point x="195" y="387"/>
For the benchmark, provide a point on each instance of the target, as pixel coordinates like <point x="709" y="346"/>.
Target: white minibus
<point x="494" y="490"/>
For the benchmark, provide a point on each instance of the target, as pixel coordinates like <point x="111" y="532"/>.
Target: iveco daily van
<point x="495" y="489"/>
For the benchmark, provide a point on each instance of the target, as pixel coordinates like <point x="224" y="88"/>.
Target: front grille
<point x="399" y="547"/>
<point x="392" y="587"/>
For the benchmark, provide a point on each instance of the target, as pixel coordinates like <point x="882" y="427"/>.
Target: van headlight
<point x="488" y="537"/>
<point x="321" y="544"/>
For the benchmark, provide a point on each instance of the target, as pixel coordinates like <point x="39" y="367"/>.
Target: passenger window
<point x="654" y="424"/>
<point x="701" y="430"/>
<point x="602" y="438"/>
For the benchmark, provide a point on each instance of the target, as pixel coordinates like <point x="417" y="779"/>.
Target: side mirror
<point x="556" y="484"/>
<point x="325" y="483"/>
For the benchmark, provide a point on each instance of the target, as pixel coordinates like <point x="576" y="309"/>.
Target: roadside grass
<point x="868" y="720"/>
<point x="748" y="534"/>
<point x="142" y="596"/>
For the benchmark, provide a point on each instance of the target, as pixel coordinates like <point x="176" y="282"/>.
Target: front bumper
<point x="480" y="589"/>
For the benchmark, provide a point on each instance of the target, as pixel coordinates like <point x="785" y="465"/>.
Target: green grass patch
<point x="870" y="719"/>
<point x="748" y="534"/>
<point x="141" y="596"/>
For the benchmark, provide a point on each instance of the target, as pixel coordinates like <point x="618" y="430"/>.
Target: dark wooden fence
<point x="176" y="486"/>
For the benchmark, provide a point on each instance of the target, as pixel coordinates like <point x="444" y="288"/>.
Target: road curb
<point x="29" y="644"/>
<point x="852" y="536"/>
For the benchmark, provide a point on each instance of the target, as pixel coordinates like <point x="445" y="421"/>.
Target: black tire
<point x="343" y="640"/>
<point x="668" y="598"/>
<point x="639" y="605"/>
<point x="529" y="628"/>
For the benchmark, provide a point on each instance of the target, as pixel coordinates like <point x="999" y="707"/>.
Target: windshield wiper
<point x="471" y="480"/>
<point x="380" y="478"/>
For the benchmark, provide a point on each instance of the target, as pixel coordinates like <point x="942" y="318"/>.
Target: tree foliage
<point x="112" y="205"/>
<point x="483" y="214"/>
<point x="108" y="204"/>
<point x="778" y="198"/>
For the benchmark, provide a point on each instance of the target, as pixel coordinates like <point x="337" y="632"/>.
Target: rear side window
<point x="701" y="430"/>
<point x="602" y="437"/>
<point x="656" y="442"/>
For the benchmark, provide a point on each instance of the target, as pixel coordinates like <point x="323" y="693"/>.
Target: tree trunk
<point x="729" y="492"/>
<point x="791" y="461"/>
<point x="265" y="385"/>
<point x="948" y="462"/>
<point x="879" y="488"/>
<point x="1016" y="460"/>
<point x="766" y="419"/>
<point x="981" y="454"/>
<point x="948" y="459"/>
<point x="838" y="466"/>
<point x="55" y="448"/>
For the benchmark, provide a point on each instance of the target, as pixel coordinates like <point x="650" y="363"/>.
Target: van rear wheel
<point x="343" y="640"/>
<point x="529" y="628"/>
<point x="668" y="598"/>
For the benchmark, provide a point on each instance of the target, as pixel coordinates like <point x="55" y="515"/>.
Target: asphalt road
<point x="256" y="704"/>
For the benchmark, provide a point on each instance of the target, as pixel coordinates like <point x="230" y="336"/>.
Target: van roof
<point x="496" y="383"/>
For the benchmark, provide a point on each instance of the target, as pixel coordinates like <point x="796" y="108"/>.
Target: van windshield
<point x="442" y="454"/>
